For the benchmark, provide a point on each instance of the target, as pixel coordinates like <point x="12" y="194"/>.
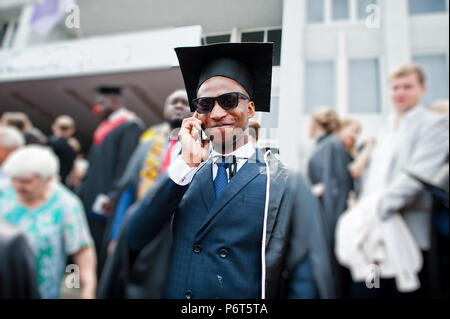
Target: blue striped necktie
<point x="221" y="180"/>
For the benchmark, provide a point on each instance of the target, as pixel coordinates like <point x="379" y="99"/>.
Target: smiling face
<point x="228" y="130"/>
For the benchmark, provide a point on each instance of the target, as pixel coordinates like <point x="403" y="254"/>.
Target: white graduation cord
<point x="263" y="244"/>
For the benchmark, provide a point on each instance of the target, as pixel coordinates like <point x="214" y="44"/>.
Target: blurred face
<point x="349" y="134"/>
<point x="177" y="110"/>
<point x="30" y="189"/>
<point x="406" y="92"/>
<point x="226" y="128"/>
<point x="313" y="129"/>
<point x="106" y="105"/>
<point x="67" y="132"/>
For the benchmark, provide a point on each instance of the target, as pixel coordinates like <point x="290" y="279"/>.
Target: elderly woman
<point x="52" y="217"/>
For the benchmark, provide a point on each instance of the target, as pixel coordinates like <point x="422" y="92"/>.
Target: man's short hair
<point x="65" y="122"/>
<point x="407" y="69"/>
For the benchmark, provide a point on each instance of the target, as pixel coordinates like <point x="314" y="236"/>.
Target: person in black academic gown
<point x="114" y="141"/>
<point x="233" y="223"/>
<point x="329" y="166"/>
<point x="18" y="275"/>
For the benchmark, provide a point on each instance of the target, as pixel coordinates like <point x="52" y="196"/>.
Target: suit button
<point x="197" y="249"/>
<point x="188" y="294"/>
<point x="223" y="253"/>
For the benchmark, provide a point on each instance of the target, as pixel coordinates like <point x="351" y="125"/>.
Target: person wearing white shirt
<point x="413" y="140"/>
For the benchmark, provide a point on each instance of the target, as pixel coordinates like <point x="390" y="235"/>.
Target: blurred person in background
<point x="324" y="122"/>
<point x="114" y="142"/>
<point x="51" y="216"/>
<point x="329" y="166"/>
<point x="438" y="186"/>
<point x="22" y="122"/>
<point x="75" y="144"/>
<point x="157" y="148"/>
<point x="440" y="107"/>
<point x="11" y="139"/>
<point x="79" y="170"/>
<point x="63" y="129"/>
<point x="412" y="140"/>
<point x="18" y="277"/>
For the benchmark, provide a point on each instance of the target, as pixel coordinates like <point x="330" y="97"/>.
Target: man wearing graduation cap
<point x="233" y="223"/>
<point x="113" y="143"/>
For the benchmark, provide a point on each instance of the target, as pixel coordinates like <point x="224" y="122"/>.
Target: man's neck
<point x="399" y="114"/>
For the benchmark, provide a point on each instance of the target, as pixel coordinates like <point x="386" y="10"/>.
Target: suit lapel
<point x="205" y="184"/>
<point x="245" y="175"/>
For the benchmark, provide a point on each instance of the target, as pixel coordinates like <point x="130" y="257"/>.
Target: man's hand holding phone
<point x="194" y="150"/>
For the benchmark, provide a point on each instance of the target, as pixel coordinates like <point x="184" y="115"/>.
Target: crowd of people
<point x="195" y="207"/>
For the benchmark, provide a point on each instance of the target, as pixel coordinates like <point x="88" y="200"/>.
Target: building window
<point x="426" y="6"/>
<point x="257" y="36"/>
<point x="340" y="10"/>
<point x="364" y="82"/>
<point x="362" y="7"/>
<point x="319" y="85"/>
<point x="436" y="71"/>
<point x="217" y="38"/>
<point x="315" y="11"/>
<point x="273" y="35"/>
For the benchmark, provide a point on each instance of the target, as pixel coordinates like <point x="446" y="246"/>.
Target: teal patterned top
<point x="57" y="229"/>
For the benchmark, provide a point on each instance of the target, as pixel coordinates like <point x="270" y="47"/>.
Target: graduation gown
<point x="108" y="159"/>
<point x="329" y="165"/>
<point x="18" y="276"/>
<point x="293" y="232"/>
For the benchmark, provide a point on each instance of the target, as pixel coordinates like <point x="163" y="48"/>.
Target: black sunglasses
<point x="227" y="101"/>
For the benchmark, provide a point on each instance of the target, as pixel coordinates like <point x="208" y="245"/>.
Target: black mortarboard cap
<point x="109" y="90"/>
<point x="249" y="64"/>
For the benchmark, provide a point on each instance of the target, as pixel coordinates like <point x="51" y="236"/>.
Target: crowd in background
<point x="70" y="208"/>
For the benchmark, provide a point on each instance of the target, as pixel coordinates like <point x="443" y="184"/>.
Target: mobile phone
<point x="203" y="135"/>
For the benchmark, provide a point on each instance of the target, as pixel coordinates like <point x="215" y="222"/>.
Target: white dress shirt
<point x="182" y="174"/>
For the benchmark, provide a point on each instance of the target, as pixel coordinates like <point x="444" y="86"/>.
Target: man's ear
<point x="251" y="109"/>
<point x="424" y="88"/>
